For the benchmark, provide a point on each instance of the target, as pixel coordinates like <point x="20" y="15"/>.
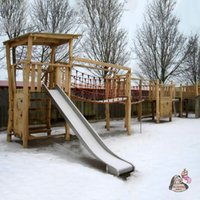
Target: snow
<point x="63" y="170"/>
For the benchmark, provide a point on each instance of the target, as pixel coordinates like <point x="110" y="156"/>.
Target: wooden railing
<point x="50" y="74"/>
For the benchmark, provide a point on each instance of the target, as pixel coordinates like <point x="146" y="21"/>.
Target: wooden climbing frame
<point x="184" y="93"/>
<point x="113" y="88"/>
<point x="25" y="103"/>
<point x="159" y="95"/>
<point x="32" y="74"/>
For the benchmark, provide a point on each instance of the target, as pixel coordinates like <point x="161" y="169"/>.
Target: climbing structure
<point x="30" y="108"/>
<point x="158" y="95"/>
<point x="113" y="87"/>
<point x="186" y="93"/>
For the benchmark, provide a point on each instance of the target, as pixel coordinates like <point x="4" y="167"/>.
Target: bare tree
<point x="104" y="40"/>
<point x="53" y="16"/>
<point x="191" y="71"/>
<point x="13" y="21"/>
<point x="159" y="46"/>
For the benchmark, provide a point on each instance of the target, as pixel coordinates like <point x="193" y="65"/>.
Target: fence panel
<point x="3" y="108"/>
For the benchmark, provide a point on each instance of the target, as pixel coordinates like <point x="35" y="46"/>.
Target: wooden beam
<point x="50" y="42"/>
<point x="51" y="64"/>
<point x="56" y="36"/>
<point x="32" y="137"/>
<point x="91" y="67"/>
<point x="40" y="39"/>
<point x="18" y="42"/>
<point x="102" y="63"/>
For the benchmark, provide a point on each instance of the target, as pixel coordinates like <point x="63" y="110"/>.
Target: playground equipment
<point x="30" y="106"/>
<point x="87" y="135"/>
<point x="186" y="93"/>
<point x="158" y="95"/>
<point x="112" y="87"/>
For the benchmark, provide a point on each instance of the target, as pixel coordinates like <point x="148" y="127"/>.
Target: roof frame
<point x="43" y="39"/>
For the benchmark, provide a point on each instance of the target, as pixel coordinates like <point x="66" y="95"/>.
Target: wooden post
<point x="107" y="114"/>
<point x="157" y="102"/>
<point x="68" y="84"/>
<point x="57" y="76"/>
<point x="172" y="95"/>
<point x="51" y="69"/>
<point x="151" y="99"/>
<point x="11" y="95"/>
<point x="67" y="132"/>
<point x="33" y="78"/>
<point x="26" y="72"/>
<point x="197" y="100"/>
<point x="125" y="117"/>
<point x="140" y="104"/>
<point x="48" y="116"/>
<point x="70" y="66"/>
<point x="39" y="84"/>
<point x="114" y="85"/>
<point x="107" y="105"/>
<point x="181" y="101"/>
<point x="49" y="103"/>
<point x="51" y="83"/>
<point x="128" y="102"/>
<point x="150" y="90"/>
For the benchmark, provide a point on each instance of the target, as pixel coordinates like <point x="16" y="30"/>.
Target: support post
<point x="181" y="101"/>
<point x="197" y="101"/>
<point x="49" y="117"/>
<point x="107" y="114"/>
<point x="173" y="98"/>
<point x="11" y="95"/>
<point x="171" y="93"/>
<point x="25" y="115"/>
<point x="140" y="104"/>
<point x="128" y="103"/>
<point x="51" y="69"/>
<point x="68" y="84"/>
<point x="51" y="81"/>
<point x="157" y="102"/>
<point x="107" y="105"/>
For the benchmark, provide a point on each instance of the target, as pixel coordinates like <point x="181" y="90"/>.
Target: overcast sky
<point x="188" y="11"/>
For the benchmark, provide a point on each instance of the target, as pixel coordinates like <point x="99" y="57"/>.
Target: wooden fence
<point x="90" y="110"/>
<point x="3" y="107"/>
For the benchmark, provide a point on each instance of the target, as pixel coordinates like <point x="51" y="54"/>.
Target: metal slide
<point x="87" y="135"/>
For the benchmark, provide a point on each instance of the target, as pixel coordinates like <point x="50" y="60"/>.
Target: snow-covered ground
<point x="66" y="171"/>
